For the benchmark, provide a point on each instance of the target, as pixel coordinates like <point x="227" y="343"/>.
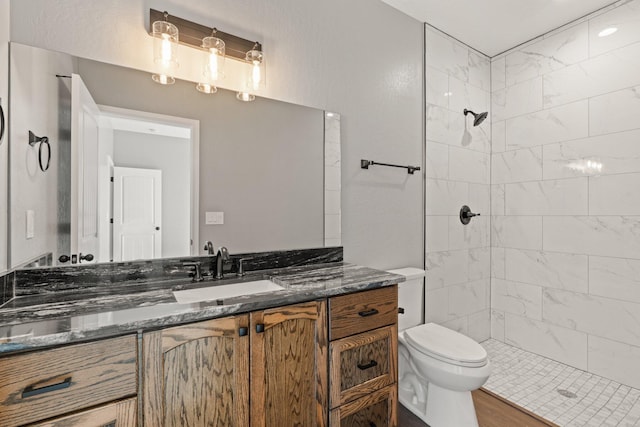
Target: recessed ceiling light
<point x="607" y="32"/>
<point x="448" y="94"/>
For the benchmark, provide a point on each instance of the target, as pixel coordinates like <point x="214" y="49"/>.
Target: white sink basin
<point x="211" y="293"/>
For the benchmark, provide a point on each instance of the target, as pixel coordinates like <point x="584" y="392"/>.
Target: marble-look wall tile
<point x="498" y="74"/>
<point x="497" y="324"/>
<point x="332" y="227"/>
<point x="498" y="262"/>
<point x="468" y="165"/>
<point x="437" y="233"/>
<point x="479" y="198"/>
<point x="465" y="95"/>
<point x="446" y="54"/>
<point x="516" y="100"/>
<point x="479" y="70"/>
<point x="476" y="234"/>
<point x="332" y="202"/>
<point x="437" y="125"/>
<point x="615" y="112"/>
<point x="517" y="166"/>
<point x="459" y="325"/>
<point x="561" y="344"/>
<point x="446" y="268"/>
<point x="557" y="197"/>
<point x="626" y="18"/>
<point x="616" y="236"/>
<point x="614" y="360"/>
<point x="437" y="160"/>
<point x="617" y="278"/>
<point x="437" y="87"/>
<point x="556" y="124"/>
<point x="498" y="136"/>
<point x="437" y="306"/>
<point x="600" y="155"/>
<point x="551" y="53"/>
<point x="614" y="194"/>
<point x="548" y="269"/>
<point x="468" y="298"/>
<point x="523" y="232"/>
<point x="445" y="197"/>
<point x="609" y="72"/>
<point x="517" y="298"/>
<point x="604" y="317"/>
<point x="479" y="263"/>
<point x="479" y="327"/>
<point x="498" y="200"/>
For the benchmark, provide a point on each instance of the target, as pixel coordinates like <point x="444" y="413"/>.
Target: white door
<point x="137" y="213"/>
<point x="84" y="172"/>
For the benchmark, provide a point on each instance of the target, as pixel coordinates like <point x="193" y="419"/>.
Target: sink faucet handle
<point x="197" y="271"/>
<point x="240" y="266"/>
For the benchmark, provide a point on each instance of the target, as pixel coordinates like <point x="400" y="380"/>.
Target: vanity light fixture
<point x="607" y="31"/>
<point x="165" y="50"/>
<point x="217" y="45"/>
<point x="213" y="63"/>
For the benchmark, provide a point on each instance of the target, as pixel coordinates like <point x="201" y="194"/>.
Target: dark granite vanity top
<point x="46" y="318"/>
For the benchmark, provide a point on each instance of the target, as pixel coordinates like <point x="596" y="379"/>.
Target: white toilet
<point x="438" y="367"/>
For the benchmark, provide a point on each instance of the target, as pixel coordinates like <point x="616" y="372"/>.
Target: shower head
<point x="477" y="117"/>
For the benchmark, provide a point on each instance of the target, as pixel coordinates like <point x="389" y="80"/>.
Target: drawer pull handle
<point x="30" y="391"/>
<point x="243" y="332"/>
<point x="260" y="328"/>
<point x="369" y="365"/>
<point x="368" y="313"/>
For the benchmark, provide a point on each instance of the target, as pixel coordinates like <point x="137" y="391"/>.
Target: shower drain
<point x="567" y="393"/>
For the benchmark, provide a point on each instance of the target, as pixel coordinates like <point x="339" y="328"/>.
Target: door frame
<point x="194" y="147"/>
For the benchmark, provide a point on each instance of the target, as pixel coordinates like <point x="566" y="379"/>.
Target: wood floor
<point x="492" y="411"/>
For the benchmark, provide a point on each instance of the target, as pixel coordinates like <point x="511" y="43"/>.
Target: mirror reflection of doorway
<point x="151" y="201"/>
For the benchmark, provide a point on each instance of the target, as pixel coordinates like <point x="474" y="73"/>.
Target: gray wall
<point x="261" y="163"/>
<point x="359" y="57"/>
<point x="172" y="156"/>
<point x="38" y="102"/>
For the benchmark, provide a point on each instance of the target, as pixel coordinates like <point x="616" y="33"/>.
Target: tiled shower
<point x="552" y="266"/>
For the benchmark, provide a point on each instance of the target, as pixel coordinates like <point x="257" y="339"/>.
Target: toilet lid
<point x="446" y="345"/>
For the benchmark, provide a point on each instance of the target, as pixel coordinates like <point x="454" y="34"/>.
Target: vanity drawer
<point x="362" y="364"/>
<point x="117" y="414"/>
<point x="362" y="311"/>
<point x="377" y="409"/>
<point x="48" y="383"/>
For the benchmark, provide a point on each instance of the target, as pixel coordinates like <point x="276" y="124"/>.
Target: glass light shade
<point x="165" y="51"/>
<point x="256" y="74"/>
<point x="245" y="96"/>
<point x="213" y="58"/>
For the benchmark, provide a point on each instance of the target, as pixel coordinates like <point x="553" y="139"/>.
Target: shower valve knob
<point x="466" y="215"/>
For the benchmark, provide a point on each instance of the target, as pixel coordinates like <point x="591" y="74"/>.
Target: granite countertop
<point x="41" y="320"/>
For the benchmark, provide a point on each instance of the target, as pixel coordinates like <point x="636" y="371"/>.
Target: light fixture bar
<point x="192" y="34"/>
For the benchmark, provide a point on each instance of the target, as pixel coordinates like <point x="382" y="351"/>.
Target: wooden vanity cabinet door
<point x="197" y="374"/>
<point x="289" y="366"/>
<point x="117" y="414"/>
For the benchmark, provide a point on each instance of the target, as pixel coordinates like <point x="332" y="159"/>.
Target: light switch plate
<point x="214" y="218"/>
<point x="31" y="219"/>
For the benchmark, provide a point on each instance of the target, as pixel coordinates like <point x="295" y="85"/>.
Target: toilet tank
<point x="410" y="297"/>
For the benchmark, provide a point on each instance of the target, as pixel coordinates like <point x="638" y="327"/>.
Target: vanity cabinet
<point x="262" y="369"/>
<point x="41" y="385"/>
<point x="364" y="358"/>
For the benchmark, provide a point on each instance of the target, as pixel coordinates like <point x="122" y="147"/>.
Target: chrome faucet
<point x="221" y="257"/>
<point x="208" y="246"/>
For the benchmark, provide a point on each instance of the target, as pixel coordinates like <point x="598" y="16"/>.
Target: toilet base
<point x="443" y="408"/>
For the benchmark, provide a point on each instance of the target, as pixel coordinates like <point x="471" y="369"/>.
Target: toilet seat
<point x="446" y="345"/>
